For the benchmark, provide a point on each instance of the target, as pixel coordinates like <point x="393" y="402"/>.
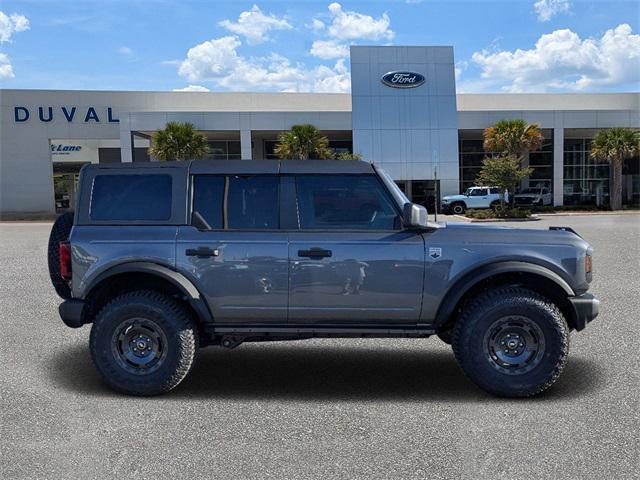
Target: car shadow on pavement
<point x="315" y="373"/>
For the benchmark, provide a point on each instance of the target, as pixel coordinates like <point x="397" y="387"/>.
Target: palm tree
<point x="178" y="141"/>
<point x="615" y="145"/>
<point x="348" y="156"/>
<point x="303" y="142"/>
<point x="513" y="138"/>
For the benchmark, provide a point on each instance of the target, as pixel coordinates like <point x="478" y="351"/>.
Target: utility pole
<point x="437" y="192"/>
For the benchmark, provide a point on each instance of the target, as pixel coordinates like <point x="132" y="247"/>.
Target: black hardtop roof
<point x="248" y="167"/>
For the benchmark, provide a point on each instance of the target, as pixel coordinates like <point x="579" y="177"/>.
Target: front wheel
<point x="143" y="343"/>
<point x="511" y="342"/>
<point x="458" y="208"/>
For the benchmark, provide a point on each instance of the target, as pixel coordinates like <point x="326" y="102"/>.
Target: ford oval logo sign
<point x="402" y="79"/>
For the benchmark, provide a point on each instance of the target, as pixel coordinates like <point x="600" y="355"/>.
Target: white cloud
<point x="218" y="61"/>
<point x="6" y="70"/>
<point x="547" y="9"/>
<point x="317" y="25"/>
<point x="192" y="88"/>
<point x="346" y="25"/>
<point x="210" y="59"/>
<point x="125" y="51"/>
<point x="254" y="25"/>
<point x="328" y="49"/>
<point x="10" y="24"/>
<point x="561" y="60"/>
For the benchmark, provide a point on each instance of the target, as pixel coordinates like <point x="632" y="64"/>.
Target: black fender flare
<point x="463" y="285"/>
<point x="182" y="283"/>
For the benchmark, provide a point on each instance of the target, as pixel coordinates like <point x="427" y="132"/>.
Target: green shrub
<point x="489" y="213"/>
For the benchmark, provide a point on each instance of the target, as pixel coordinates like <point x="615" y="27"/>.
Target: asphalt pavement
<point x="389" y="408"/>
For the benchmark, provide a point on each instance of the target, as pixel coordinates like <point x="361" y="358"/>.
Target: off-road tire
<point x="458" y="208"/>
<point x="477" y="318"/>
<point x="494" y="205"/>
<point x="59" y="233"/>
<point x="175" y="323"/>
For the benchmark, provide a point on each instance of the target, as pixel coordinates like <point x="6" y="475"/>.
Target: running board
<point x="319" y="330"/>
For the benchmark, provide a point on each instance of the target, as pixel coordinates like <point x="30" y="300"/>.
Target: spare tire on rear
<point x="59" y="233"/>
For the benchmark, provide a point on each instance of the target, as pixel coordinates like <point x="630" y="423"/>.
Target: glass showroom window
<point x="586" y="181"/>
<point x="224" y="150"/>
<point x="542" y="163"/>
<point x="471" y="156"/>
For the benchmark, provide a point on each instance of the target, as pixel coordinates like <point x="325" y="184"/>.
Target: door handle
<point x="315" y="253"/>
<point x="201" y="252"/>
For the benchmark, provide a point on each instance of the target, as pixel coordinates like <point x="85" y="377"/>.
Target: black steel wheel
<point x="139" y="345"/>
<point x="514" y="344"/>
<point x="143" y="343"/>
<point x="511" y="342"/>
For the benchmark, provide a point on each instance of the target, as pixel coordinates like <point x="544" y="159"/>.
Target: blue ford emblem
<point x="403" y="79"/>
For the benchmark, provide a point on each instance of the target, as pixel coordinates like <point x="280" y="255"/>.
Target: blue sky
<point x="500" y="46"/>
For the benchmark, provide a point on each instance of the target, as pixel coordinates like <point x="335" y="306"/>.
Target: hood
<point x="483" y="233"/>
<point x="454" y="197"/>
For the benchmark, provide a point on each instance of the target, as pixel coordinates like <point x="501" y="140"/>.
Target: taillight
<point x="65" y="260"/>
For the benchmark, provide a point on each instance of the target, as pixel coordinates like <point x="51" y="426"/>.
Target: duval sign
<point x="401" y="79"/>
<point x="66" y="113"/>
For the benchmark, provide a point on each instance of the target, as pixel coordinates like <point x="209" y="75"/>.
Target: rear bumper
<point x="71" y="312"/>
<point x="586" y="307"/>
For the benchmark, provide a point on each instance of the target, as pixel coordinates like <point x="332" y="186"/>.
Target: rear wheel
<point x="59" y="233"/>
<point x="143" y="343"/>
<point x="458" y="208"/>
<point x="494" y="205"/>
<point x="511" y="342"/>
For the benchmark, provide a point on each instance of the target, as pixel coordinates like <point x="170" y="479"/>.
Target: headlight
<point x="444" y="200"/>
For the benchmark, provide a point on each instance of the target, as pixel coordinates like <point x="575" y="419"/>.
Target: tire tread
<point x="187" y="342"/>
<point x="494" y="298"/>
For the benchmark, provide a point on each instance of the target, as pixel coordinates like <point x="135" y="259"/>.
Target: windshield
<point x="398" y="195"/>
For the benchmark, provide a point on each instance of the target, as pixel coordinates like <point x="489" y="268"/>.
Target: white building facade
<point x="403" y="113"/>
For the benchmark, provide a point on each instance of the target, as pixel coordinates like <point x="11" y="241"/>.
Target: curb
<point x="569" y="213"/>
<point x="498" y="220"/>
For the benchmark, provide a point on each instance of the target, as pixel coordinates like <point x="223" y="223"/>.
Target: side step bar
<point x="344" y="330"/>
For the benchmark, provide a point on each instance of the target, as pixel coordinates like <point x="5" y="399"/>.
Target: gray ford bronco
<point x="165" y="257"/>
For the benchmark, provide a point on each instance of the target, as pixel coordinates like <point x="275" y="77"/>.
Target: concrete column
<point x="126" y="146"/>
<point x="245" y="145"/>
<point x="558" y="166"/>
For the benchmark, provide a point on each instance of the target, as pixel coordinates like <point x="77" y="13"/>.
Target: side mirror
<point x="415" y="216"/>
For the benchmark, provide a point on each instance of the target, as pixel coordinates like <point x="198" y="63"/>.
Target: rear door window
<point x="236" y="202"/>
<point x="140" y="197"/>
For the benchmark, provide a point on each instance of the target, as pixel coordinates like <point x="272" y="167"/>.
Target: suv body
<point x="169" y="256"/>
<point x="538" y="196"/>
<point x="473" y="197"/>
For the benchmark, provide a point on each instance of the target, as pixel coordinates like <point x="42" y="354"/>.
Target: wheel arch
<point x="533" y="276"/>
<point x="139" y="276"/>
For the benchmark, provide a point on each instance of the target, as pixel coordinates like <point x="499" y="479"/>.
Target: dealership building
<point x="403" y="114"/>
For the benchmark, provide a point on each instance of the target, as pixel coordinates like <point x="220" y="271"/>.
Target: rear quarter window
<point x="144" y="197"/>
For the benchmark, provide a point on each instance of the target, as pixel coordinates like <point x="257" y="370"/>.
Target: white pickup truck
<point x="474" y="197"/>
<point x="537" y="196"/>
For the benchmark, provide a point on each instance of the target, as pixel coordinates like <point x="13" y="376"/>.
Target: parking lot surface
<point x="392" y="408"/>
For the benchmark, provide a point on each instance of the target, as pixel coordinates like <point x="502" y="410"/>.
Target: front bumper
<point x="71" y="312"/>
<point x="586" y="307"/>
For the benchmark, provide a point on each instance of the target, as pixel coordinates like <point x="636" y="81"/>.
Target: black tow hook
<point x="230" y="341"/>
